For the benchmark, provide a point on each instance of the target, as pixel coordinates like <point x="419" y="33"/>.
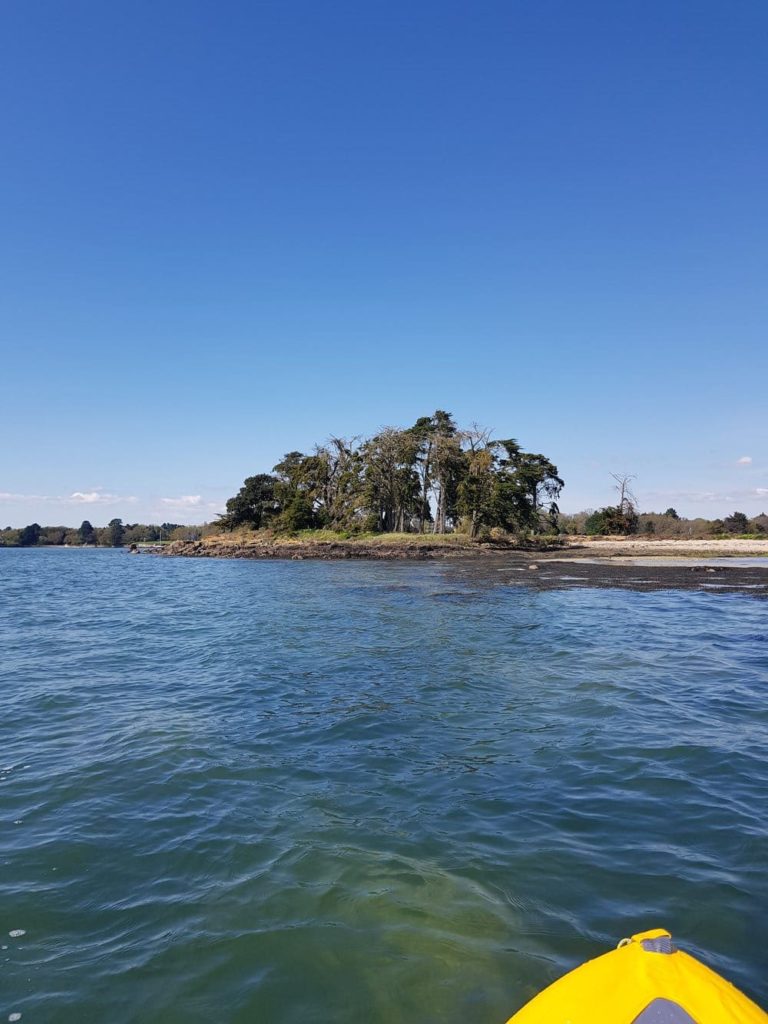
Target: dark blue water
<point x="311" y="792"/>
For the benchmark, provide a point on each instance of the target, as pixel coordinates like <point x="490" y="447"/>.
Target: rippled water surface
<point x="342" y="792"/>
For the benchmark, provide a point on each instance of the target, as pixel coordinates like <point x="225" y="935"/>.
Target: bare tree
<point x="627" y="500"/>
<point x="475" y="437"/>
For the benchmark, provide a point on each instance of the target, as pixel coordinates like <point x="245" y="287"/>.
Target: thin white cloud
<point x="188" y="508"/>
<point x="8" y="498"/>
<point x="87" y="498"/>
<point x="709" y="496"/>
<point x="184" y="501"/>
<point x="690" y="495"/>
<point x="745" y="460"/>
<point x="97" y="497"/>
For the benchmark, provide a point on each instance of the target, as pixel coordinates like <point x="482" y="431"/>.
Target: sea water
<point x="301" y="791"/>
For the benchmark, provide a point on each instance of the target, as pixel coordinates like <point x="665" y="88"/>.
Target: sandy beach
<point x="635" y="547"/>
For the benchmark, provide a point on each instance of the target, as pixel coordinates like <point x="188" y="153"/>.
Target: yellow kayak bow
<point x="647" y="980"/>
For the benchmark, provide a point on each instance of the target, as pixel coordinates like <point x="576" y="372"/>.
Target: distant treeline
<point x="116" y="535"/>
<point x="432" y="477"/>
<point x="662" y="525"/>
<point x="667" y="525"/>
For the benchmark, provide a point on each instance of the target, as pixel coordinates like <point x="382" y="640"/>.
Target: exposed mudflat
<point x="557" y="572"/>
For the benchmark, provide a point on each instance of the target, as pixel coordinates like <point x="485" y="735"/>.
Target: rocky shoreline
<point x="425" y="547"/>
<point x="324" y="550"/>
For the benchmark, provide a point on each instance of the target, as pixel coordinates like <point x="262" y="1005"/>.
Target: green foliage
<point x="440" y="465"/>
<point x="525" y="489"/>
<point x="113" y="535"/>
<point x="149" y="533"/>
<point x="298" y="514"/>
<point x="255" y="504"/>
<point x="736" y="523"/>
<point x="595" y="524"/>
<point x="390" y="495"/>
<point x="29" y="535"/>
<point x="665" y="527"/>
<point x="431" y="476"/>
<point x="116" y="534"/>
<point x="52" y="535"/>
<point x="623" y="521"/>
<point x="87" y="533"/>
<point x="612" y="520"/>
<point x="476" y="491"/>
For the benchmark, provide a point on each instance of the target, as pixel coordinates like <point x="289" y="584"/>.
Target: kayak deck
<point x="646" y="980"/>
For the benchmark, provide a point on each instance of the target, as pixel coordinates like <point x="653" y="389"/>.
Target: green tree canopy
<point x="254" y="504"/>
<point x="736" y="523"/>
<point x="30" y="535"/>
<point x="87" y="533"/>
<point x="432" y="475"/>
<point x="114" y="533"/>
<point x="613" y="519"/>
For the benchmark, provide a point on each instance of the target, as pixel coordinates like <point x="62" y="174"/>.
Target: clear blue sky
<point x="230" y="229"/>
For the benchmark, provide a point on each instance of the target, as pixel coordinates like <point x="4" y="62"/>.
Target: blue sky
<point x="231" y="229"/>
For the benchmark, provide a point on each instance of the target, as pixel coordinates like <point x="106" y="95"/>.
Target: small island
<point x="438" y="491"/>
<point x="433" y="490"/>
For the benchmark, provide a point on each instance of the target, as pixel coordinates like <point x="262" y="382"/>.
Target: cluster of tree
<point x="625" y="519"/>
<point x="739" y="522"/>
<point x="115" y="535"/>
<point x="430" y="477"/>
<point x="621" y="518"/>
<point x="663" y="525"/>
